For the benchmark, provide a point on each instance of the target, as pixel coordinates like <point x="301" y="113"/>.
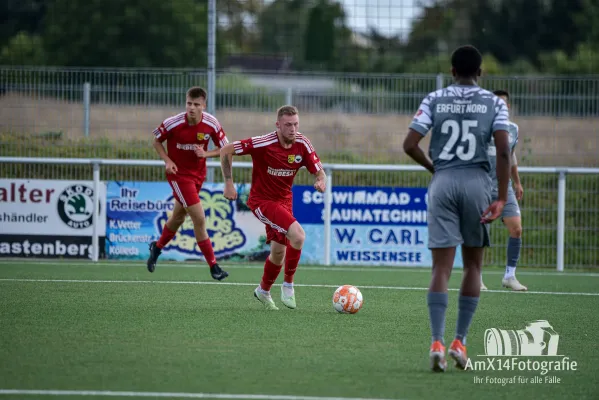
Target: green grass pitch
<point x="117" y="330"/>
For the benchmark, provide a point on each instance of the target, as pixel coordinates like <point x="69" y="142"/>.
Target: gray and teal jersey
<point x="462" y="120"/>
<point x="513" y="138"/>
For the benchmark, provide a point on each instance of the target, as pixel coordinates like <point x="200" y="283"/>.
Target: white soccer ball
<point x="347" y="299"/>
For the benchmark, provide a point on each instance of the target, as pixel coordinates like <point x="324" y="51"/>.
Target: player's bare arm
<point x="171" y="167"/>
<point x="411" y="146"/>
<point x="201" y="153"/>
<point x="226" y="166"/>
<point x="502" y="144"/>
<point x="320" y="183"/>
<point x="516" y="177"/>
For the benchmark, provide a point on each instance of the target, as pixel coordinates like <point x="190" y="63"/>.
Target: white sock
<point x="509" y="272"/>
<point x="288" y="289"/>
<point x="262" y="290"/>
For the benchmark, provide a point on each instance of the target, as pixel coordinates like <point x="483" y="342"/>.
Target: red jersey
<point x="275" y="167"/>
<point x="181" y="139"/>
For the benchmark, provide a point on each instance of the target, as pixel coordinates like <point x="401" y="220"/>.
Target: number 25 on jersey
<point x="466" y="149"/>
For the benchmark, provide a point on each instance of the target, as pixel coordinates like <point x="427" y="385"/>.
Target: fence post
<point x="561" y="219"/>
<point x="87" y="87"/>
<point x="328" y="205"/>
<point x="95" y="210"/>
<point x="211" y="62"/>
<point x="439" y="81"/>
<point x="289" y="96"/>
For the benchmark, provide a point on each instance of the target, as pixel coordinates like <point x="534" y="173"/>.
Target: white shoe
<point x="265" y="298"/>
<point x="512" y="283"/>
<point x="288" y="296"/>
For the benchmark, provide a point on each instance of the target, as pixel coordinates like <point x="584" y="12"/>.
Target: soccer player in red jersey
<point x="187" y="135"/>
<point x="276" y="158"/>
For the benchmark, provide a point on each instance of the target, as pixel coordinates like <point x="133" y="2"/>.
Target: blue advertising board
<point x="137" y="211"/>
<point x="370" y="226"/>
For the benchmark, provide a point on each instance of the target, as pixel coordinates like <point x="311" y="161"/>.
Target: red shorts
<point x="186" y="191"/>
<point x="277" y="218"/>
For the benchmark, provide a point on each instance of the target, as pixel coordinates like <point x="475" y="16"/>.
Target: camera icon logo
<point x="538" y="338"/>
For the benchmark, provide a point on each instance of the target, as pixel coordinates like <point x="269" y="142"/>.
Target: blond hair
<point x="287" y="110"/>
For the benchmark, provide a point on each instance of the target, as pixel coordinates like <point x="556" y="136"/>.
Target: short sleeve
<point x="244" y="146"/>
<point x="501" y="120"/>
<point x="219" y="138"/>
<point x="310" y="159"/>
<point x="161" y="133"/>
<point x="167" y="127"/>
<point x="423" y="119"/>
<point x="218" y="135"/>
<point x="253" y="144"/>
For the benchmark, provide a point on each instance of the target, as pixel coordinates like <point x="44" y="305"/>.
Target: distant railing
<point x="334" y="170"/>
<point x="313" y="92"/>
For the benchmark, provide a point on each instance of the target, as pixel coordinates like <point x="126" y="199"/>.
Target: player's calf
<point x="198" y="217"/>
<point x="293" y="253"/>
<point x="514" y="246"/>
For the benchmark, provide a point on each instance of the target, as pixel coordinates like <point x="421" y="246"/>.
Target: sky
<point x="390" y="17"/>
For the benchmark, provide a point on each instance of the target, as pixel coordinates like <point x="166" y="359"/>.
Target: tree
<point x="23" y="49"/>
<point x="137" y="33"/>
<point x="237" y="19"/>
<point x="20" y="16"/>
<point x="430" y="32"/>
<point x="510" y="30"/>
<point x="587" y="20"/>
<point x="320" y="33"/>
<point x="282" y="28"/>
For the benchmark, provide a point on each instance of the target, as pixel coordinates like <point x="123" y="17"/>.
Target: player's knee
<point x="516" y="231"/>
<point x="277" y="254"/>
<point x="178" y="219"/>
<point x="296" y="235"/>
<point x="196" y="213"/>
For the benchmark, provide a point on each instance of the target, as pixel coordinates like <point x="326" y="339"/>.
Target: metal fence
<point x="351" y="119"/>
<point x="73" y="112"/>
<point x="560" y="208"/>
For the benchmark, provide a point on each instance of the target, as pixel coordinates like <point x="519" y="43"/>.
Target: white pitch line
<point x="308" y="268"/>
<point x="109" y="393"/>
<point x="254" y="284"/>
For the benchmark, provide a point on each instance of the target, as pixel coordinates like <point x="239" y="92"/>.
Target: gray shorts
<point x="457" y="199"/>
<point x="511" y="209"/>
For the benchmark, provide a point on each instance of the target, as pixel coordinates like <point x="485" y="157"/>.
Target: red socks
<point x="207" y="251"/>
<point x="292" y="257"/>
<point x="166" y="236"/>
<point x="205" y="245"/>
<point x="271" y="272"/>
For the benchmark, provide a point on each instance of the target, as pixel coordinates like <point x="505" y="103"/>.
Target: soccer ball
<point x="347" y="299"/>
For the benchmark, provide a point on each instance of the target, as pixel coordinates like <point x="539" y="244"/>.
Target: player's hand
<point x="320" y="185"/>
<point x="171" y="168"/>
<point x="519" y="192"/>
<point x="493" y="212"/>
<point x="230" y="192"/>
<point x="199" y="150"/>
